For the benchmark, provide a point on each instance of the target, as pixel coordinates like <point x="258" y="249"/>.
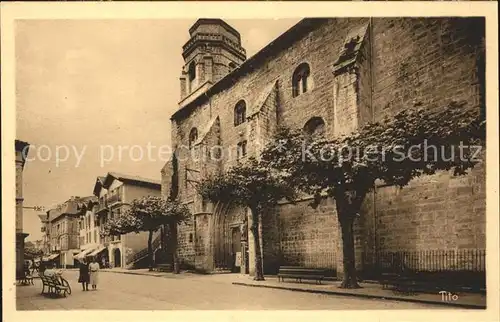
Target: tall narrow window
<point x="300" y="79"/>
<point x="191" y="75"/>
<point x="240" y="111"/>
<point x="241" y="149"/>
<point x="193" y="136"/>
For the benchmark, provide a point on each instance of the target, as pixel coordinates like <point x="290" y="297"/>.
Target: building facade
<point x="62" y="231"/>
<point x="115" y="192"/>
<point x="330" y="76"/>
<point x="21" y="149"/>
<point x="44" y="229"/>
<point x="89" y="239"/>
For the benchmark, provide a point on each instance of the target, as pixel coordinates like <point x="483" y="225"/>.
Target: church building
<point x="329" y="76"/>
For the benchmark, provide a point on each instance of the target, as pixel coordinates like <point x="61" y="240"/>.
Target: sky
<point x="87" y="88"/>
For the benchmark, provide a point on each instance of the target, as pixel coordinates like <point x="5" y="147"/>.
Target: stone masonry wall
<point x="429" y="63"/>
<point x="426" y="61"/>
<point x="309" y="237"/>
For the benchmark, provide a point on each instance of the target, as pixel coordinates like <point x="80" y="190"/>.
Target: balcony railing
<point x="114" y="198"/>
<point x="103" y="205"/>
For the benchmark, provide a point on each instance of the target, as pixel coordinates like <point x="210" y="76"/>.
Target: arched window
<point x="232" y="66"/>
<point x="315" y="127"/>
<point x="240" y="111"/>
<point x="300" y="79"/>
<point x="191" y="75"/>
<point x="193" y="136"/>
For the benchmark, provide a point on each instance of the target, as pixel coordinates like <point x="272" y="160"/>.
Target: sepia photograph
<point x="217" y="163"/>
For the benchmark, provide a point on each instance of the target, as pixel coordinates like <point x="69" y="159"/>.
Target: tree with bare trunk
<point x="252" y="186"/>
<point x="396" y="150"/>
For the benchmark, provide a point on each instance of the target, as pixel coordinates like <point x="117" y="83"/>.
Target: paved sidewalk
<point x="368" y="290"/>
<point x="144" y="271"/>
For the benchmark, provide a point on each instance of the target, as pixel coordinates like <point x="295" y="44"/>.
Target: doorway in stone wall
<point x="117" y="256"/>
<point x="236" y="249"/>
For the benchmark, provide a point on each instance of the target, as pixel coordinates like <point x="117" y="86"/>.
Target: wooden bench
<point x="164" y="268"/>
<point x="301" y="273"/>
<point x="55" y="285"/>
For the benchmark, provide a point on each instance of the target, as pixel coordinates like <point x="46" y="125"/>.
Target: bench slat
<point x="300" y="270"/>
<point x="301" y="273"/>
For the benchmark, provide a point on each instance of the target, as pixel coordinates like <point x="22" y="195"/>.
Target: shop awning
<point x="51" y="257"/>
<point x="81" y="255"/>
<point x="97" y="251"/>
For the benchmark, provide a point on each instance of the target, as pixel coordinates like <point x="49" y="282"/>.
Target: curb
<point x="392" y="298"/>
<point x="134" y="273"/>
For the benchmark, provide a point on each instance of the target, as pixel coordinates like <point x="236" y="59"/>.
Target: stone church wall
<point x="403" y="62"/>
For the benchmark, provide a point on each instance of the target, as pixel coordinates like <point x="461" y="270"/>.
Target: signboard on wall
<point x="237" y="260"/>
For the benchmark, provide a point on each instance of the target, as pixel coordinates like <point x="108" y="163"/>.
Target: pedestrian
<point x="36" y="267"/>
<point x="94" y="273"/>
<point x="27" y="268"/>
<point x="42" y="267"/>
<point x="52" y="271"/>
<point x="84" y="277"/>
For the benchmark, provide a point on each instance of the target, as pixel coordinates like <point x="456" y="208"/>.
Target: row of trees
<point x="347" y="168"/>
<point x="344" y="169"/>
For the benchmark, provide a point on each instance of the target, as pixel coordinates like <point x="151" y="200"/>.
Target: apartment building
<point x="63" y="231"/>
<point x="89" y="238"/>
<point x="115" y="192"/>
<point x="45" y="241"/>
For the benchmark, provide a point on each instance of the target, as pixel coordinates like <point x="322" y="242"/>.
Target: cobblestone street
<point x="188" y="292"/>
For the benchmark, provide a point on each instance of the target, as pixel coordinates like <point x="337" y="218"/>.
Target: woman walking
<point x="84" y="275"/>
<point x="94" y="272"/>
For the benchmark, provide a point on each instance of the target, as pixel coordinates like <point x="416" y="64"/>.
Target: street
<point x="188" y="292"/>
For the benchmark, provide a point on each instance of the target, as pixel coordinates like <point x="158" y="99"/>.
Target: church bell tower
<point x="211" y="53"/>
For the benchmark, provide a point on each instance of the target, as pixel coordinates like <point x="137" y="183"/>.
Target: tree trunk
<point x="259" y="274"/>
<point x="173" y="238"/>
<point x="162" y="238"/>
<point x="261" y="242"/>
<point x="350" y="279"/>
<point x="150" y="250"/>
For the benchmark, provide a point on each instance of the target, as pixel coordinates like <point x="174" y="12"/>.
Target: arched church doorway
<point x="117" y="256"/>
<point x="227" y="237"/>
